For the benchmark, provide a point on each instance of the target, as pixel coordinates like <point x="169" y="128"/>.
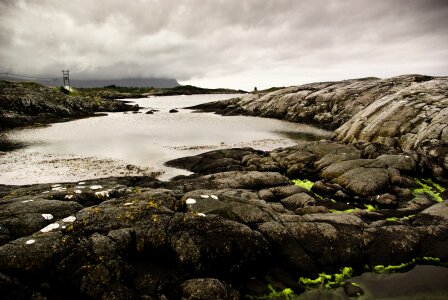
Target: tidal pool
<point x="138" y="143"/>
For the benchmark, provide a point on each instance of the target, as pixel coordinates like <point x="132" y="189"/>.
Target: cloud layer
<point x="228" y="43"/>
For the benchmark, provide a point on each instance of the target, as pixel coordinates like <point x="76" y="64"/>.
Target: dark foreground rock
<point x="27" y="103"/>
<point x="223" y="235"/>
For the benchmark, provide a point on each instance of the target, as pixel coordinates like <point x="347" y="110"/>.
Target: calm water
<point x="107" y="146"/>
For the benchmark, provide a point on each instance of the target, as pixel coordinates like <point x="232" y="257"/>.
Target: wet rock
<point x="207" y="288"/>
<point x="352" y="289"/>
<point x="385" y="242"/>
<point x="232" y="206"/>
<point x="331" y="240"/>
<point x="288" y="247"/>
<point x="11" y="288"/>
<point x="311" y="210"/>
<point x="340" y="168"/>
<point x="364" y="181"/>
<point x="235" y="180"/>
<point x="40" y="256"/>
<point x="385" y="200"/>
<point x="299" y="161"/>
<point x="280" y="192"/>
<point x="297" y="201"/>
<point x="233" y="247"/>
<point x="26" y="215"/>
<point x="173" y="110"/>
<point x="436" y="214"/>
<point x="215" y="161"/>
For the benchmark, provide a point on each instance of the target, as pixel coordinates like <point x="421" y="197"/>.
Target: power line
<point x="31" y="77"/>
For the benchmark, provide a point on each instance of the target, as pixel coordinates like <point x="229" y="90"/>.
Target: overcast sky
<point x="225" y="43"/>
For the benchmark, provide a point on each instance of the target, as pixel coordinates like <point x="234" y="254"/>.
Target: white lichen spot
<point x="63" y="227"/>
<point x="78" y="191"/>
<point x="63" y="189"/>
<point x="56" y="189"/>
<point x="214" y="197"/>
<point x="45" y="192"/>
<point x="47" y="216"/>
<point x="96" y="187"/>
<point x="68" y="197"/>
<point x="80" y="187"/>
<point x="205" y="196"/>
<point x="190" y="201"/>
<point x="128" y="203"/>
<point x="26" y="201"/>
<point x="29" y="242"/>
<point x="102" y="194"/>
<point x="81" y="183"/>
<point x="69" y="219"/>
<point x="50" y="227"/>
<point x="201" y="214"/>
<point x="55" y="185"/>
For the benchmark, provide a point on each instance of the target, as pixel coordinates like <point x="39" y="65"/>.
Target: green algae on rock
<point x="305" y="183"/>
<point x="429" y="189"/>
<point x="327" y="280"/>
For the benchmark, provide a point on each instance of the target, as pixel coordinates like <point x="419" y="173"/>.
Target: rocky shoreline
<point x="407" y="112"/>
<point x="248" y="223"/>
<point x="29" y="103"/>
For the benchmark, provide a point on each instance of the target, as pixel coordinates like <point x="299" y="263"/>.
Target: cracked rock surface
<point x="224" y="234"/>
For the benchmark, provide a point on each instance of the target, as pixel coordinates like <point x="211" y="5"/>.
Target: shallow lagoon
<point x="137" y="144"/>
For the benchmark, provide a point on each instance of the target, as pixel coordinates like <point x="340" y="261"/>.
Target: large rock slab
<point x="233" y="179"/>
<point x="26" y="215"/>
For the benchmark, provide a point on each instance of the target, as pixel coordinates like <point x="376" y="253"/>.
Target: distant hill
<point x="124" y="82"/>
<point x="127" y="82"/>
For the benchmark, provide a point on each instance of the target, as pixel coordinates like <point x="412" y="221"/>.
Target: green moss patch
<point x="408" y="265"/>
<point x="371" y="207"/>
<point x="306" y="184"/>
<point x="348" y="211"/>
<point x="429" y="188"/>
<point x="287" y="294"/>
<point x="327" y="280"/>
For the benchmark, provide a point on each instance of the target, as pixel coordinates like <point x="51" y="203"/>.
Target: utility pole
<point x="66" y="78"/>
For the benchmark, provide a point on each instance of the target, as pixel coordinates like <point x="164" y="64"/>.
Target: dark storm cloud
<point x="225" y="43"/>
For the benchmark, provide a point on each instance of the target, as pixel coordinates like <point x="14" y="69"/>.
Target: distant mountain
<point x="127" y="82"/>
<point x="124" y="82"/>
